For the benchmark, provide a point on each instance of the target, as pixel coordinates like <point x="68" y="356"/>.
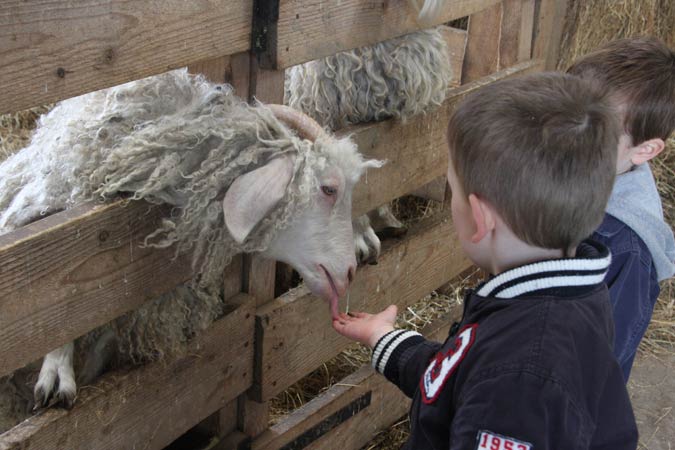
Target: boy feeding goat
<point x="530" y="365"/>
<point x="640" y="76"/>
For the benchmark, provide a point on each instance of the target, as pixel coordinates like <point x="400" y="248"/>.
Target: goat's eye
<point x="329" y="190"/>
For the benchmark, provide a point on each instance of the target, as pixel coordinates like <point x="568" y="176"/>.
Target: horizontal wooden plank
<point x="415" y="151"/>
<point x="407" y="270"/>
<point x="149" y="407"/>
<point x="71" y="272"/>
<point x="307" y="29"/>
<point x="434" y="190"/>
<point x="316" y="420"/>
<point x="55" y="49"/>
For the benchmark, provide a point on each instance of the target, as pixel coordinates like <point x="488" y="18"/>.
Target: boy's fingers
<point x="390" y="312"/>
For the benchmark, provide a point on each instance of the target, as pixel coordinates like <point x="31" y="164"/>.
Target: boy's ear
<point x="483" y="217"/>
<point x="647" y="150"/>
<point x="253" y="195"/>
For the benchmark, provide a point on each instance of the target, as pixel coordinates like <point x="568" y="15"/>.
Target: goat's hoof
<point x="65" y="399"/>
<point x="41" y="398"/>
<point x="46" y="396"/>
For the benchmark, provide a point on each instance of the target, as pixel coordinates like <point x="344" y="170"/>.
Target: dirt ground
<point x="652" y="390"/>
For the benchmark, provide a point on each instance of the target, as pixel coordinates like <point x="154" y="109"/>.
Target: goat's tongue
<point x="333" y="303"/>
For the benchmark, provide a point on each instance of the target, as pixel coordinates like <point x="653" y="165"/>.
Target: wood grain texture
<point x="259" y="273"/>
<point x="69" y="273"/>
<point x="509" y="38"/>
<point x="55" y="49"/>
<point x="387" y="405"/>
<point x="456" y="40"/>
<point x="526" y="30"/>
<point x="147" y="408"/>
<point x="233" y="69"/>
<point x="515" y="43"/>
<point x="550" y="21"/>
<point x="407" y="270"/>
<point x="499" y="37"/>
<point x="307" y="29"/>
<point x="434" y="190"/>
<point x="482" y="48"/>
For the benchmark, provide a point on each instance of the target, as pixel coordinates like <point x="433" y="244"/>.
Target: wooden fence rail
<point x="298" y="31"/>
<point x="54" y="49"/>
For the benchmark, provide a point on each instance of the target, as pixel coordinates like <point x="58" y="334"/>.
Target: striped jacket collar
<point x="588" y="268"/>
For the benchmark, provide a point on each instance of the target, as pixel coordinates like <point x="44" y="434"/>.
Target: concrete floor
<point x="652" y="391"/>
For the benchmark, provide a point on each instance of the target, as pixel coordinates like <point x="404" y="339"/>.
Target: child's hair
<point x="641" y="73"/>
<point x="541" y="149"/>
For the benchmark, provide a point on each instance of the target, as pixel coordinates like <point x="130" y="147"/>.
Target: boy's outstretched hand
<point x="366" y="328"/>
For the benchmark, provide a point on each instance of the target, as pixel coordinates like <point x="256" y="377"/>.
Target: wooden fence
<point x="71" y="272"/>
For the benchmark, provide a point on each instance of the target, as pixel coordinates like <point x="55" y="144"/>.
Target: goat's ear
<point x="253" y="195"/>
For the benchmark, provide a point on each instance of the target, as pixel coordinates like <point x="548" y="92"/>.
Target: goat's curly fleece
<point x="398" y="78"/>
<point x="175" y="139"/>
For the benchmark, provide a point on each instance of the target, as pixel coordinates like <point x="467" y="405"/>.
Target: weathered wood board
<point x="55" y="49"/>
<point x="307" y="30"/>
<point x="71" y="272"/>
<point x="147" y="408"/>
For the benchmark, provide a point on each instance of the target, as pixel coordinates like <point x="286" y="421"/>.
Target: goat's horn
<point x="305" y="126"/>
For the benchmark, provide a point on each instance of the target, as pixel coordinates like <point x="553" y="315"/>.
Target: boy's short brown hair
<point x="541" y="149"/>
<point x="641" y="71"/>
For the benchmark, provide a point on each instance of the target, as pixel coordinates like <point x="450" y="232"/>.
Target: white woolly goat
<point x="399" y="78"/>
<point x="239" y="180"/>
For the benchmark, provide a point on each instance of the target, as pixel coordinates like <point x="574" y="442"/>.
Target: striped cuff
<point x="388" y="344"/>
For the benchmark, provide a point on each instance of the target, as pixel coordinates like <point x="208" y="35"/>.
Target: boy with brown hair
<point x="639" y="74"/>
<point x="530" y="365"/>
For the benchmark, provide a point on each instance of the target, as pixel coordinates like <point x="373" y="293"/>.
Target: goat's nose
<point x="350" y="274"/>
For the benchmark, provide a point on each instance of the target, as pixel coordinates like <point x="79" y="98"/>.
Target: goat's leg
<point x="56" y="366"/>
<point x="366" y="242"/>
<point x="99" y="356"/>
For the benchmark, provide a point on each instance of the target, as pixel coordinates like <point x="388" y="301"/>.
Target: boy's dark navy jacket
<point x="633" y="287"/>
<point x="530" y="365"/>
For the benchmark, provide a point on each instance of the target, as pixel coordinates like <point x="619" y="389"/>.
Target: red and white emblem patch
<point x="487" y="440"/>
<point x="444" y="364"/>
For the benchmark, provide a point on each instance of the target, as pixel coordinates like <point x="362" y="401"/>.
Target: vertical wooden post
<point x="259" y="274"/>
<point x="500" y="37"/>
<point x="482" y="48"/>
<point x="526" y="30"/>
<point x="548" y="30"/>
<point x="234" y="70"/>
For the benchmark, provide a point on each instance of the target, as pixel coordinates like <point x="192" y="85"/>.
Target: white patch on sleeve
<point x="487" y="440"/>
<point x="444" y="364"/>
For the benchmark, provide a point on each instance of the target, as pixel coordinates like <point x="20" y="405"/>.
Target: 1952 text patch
<point x="487" y="440"/>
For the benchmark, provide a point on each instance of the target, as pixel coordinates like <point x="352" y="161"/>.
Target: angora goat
<point x="398" y="78"/>
<point x="239" y="180"/>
